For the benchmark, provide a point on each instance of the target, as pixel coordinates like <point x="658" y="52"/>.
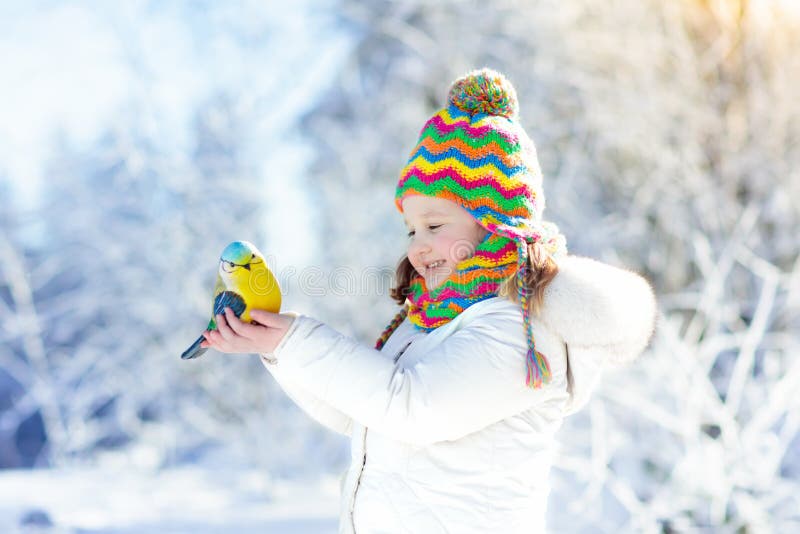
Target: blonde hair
<point x="539" y="272"/>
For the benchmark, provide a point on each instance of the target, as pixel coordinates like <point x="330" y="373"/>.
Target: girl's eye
<point x="430" y="227"/>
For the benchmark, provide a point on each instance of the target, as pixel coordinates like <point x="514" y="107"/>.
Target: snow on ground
<point x="180" y="500"/>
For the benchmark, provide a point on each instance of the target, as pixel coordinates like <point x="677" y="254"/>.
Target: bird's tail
<point x="195" y="350"/>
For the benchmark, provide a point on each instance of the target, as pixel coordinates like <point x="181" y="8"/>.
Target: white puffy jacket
<point x="446" y="436"/>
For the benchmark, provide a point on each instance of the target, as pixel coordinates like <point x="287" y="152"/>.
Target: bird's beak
<point x="246" y="266"/>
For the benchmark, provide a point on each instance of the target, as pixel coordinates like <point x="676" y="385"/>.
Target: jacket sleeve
<point x="318" y="410"/>
<point x="592" y="304"/>
<point x="471" y="379"/>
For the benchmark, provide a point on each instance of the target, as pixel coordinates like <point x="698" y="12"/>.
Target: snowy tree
<point x="107" y="277"/>
<point x="667" y="133"/>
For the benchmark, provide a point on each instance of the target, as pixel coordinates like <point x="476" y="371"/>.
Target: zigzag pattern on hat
<point x="475" y="161"/>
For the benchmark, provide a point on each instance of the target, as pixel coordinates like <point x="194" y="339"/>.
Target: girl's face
<point x="440" y="234"/>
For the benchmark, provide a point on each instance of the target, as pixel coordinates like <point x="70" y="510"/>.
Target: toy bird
<point x="243" y="283"/>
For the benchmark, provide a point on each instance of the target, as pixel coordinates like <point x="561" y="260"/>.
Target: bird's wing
<point x="229" y="299"/>
<point x="224" y="298"/>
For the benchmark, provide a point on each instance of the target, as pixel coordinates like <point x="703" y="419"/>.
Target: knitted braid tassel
<point x="538" y="367"/>
<point x="389" y="330"/>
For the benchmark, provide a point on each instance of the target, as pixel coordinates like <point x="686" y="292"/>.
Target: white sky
<point x="70" y="69"/>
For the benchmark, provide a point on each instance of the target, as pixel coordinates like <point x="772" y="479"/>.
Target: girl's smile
<point x="441" y="234"/>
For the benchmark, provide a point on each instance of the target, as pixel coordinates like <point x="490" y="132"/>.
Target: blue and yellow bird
<point x="244" y="283"/>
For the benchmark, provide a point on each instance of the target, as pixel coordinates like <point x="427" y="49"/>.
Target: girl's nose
<point x="418" y="246"/>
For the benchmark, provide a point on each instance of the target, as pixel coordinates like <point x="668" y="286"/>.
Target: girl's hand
<point x="233" y="335"/>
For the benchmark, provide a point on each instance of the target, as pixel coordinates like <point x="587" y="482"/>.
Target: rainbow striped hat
<point x="475" y="153"/>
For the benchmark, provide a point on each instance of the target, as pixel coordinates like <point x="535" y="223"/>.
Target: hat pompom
<point x="485" y="91"/>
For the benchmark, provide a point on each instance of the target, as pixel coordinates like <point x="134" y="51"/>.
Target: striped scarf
<point x="477" y="278"/>
<point x="474" y="279"/>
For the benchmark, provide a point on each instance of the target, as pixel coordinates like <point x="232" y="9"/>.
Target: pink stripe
<point x="428" y="179"/>
<point x="502" y="252"/>
<point x="479" y="290"/>
<point x="480" y="131"/>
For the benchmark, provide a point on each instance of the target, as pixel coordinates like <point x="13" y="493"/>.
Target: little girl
<point x="452" y="415"/>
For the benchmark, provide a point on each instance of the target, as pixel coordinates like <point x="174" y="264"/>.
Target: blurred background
<point x="140" y="137"/>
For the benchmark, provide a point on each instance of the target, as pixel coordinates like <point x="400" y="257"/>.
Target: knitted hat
<point x="475" y="153"/>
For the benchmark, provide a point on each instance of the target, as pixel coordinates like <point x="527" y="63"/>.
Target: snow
<point x="189" y="499"/>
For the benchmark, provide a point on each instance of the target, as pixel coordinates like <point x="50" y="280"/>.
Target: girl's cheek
<point x="444" y="245"/>
<point x="460" y="249"/>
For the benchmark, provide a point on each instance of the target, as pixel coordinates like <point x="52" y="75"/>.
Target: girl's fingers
<point x="223" y="328"/>
<point x="266" y="318"/>
<point x="234" y="335"/>
<point x="237" y="325"/>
